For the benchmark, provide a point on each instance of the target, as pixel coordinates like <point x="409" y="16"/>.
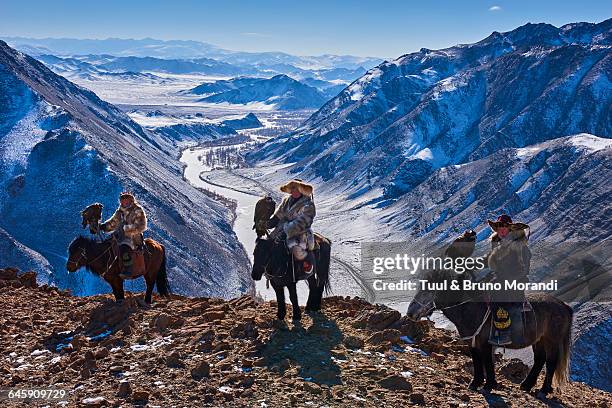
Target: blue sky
<point x="385" y="28"/>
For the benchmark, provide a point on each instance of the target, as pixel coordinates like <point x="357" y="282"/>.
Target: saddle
<point x="512" y="323"/>
<point x="136" y="256"/>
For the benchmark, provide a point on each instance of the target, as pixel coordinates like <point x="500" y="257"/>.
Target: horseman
<point x="127" y="223"/>
<point x="294" y="217"/>
<point x="509" y="259"/>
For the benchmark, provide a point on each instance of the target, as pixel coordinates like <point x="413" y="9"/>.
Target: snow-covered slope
<point x="283" y="92"/>
<point x="250" y="121"/>
<point x="223" y="85"/>
<point x="62" y="148"/>
<point x="406" y="118"/>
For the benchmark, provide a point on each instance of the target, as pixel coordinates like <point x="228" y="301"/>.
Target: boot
<point x="501" y="338"/>
<point x="126" y="259"/>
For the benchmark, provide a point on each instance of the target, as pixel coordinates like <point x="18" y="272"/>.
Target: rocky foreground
<point x="188" y="352"/>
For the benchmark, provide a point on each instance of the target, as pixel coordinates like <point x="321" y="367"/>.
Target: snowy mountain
<point x="250" y="121"/>
<point x="62" y="148"/>
<point x="283" y="92"/>
<point x="223" y="85"/>
<point x="393" y="127"/>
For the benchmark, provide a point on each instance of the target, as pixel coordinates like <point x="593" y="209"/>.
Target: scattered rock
<point x="116" y="369"/>
<point x="515" y="370"/>
<point x="125" y="389"/>
<point x="395" y="383"/>
<point x="95" y="402"/>
<point x="353" y="342"/>
<point x="140" y="395"/>
<point x="377" y="319"/>
<point x="101" y="353"/>
<point x="417" y="398"/>
<point x="201" y="370"/>
<point x="174" y="359"/>
<point x="387" y="335"/>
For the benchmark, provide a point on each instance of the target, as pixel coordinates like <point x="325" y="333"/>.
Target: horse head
<point x="270" y="255"/>
<point x="77" y="254"/>
<point x="431" y="298"/>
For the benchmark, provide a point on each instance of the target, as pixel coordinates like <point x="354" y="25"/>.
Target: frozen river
<point x="245" y="196"/>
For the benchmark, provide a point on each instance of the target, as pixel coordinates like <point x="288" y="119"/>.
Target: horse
<point x="550" y="337"/>
<point x="272" y="258"/>
<point x="101" y="258"/>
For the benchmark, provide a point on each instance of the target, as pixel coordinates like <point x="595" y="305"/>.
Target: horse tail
<point x="163" y="287"/>
<point x="324" y="268"/>
<point x="563" y="353"/>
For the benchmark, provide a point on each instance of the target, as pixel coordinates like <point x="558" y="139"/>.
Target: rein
<point x="88" y="262"/>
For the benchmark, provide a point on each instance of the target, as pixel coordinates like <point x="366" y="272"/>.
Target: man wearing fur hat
<point x="509" y="259"/>
<point x="128" y="222"/>
<point x="294" y="217"/>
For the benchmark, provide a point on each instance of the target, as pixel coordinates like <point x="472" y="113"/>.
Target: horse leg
<point x="150" y="284"/>
<point x="310" y="303"/>
<point x="539" y="358"/>
<point x="117" y="285"/>
<point x="297" y="313"/>
<point x="280" y="300"/>
<point x="489" y="365"/>
<point x="478" y="369"/>
<point x="552" y="359"/>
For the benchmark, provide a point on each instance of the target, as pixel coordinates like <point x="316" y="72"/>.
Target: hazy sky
<point x="386" y="28"/>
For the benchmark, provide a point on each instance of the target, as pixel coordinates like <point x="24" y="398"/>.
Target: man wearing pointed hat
<point x="509" y="259"/>
<point x="294" y="217"/>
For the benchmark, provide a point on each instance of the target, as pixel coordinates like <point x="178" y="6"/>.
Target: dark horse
<point x="272" y="257"/>
<point x="101" y="259"/>
<point x="468" y="311"/>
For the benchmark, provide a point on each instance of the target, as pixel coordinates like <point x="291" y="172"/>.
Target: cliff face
<point x="211" y="352"/>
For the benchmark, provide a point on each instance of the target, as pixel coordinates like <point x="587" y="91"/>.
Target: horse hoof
<point x="543" y="393"/>
<point x="490" y="386"/>
<point x="526" y="387"/>
<point x="474" y="385"/>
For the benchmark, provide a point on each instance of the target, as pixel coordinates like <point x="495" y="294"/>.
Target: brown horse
<point x="101" y="258"/>
<point x="549" y="336"/>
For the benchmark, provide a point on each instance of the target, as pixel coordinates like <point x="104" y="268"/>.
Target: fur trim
<point x="304" y="188"/>
<point x="514" y="226"/>
<point x="515" y="235"/>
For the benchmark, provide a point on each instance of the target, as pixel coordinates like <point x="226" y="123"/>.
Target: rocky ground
<point x="188" y="352"/>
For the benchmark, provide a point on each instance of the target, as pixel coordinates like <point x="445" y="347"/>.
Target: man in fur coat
<point x="509" y="259"/>
<point x="294" y="217"/>
<point x="128" y="222"/>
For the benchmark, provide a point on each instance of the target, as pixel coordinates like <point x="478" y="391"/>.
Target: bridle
<point x="436" y="307"/>
<point x="275" y="241"/>
<point x="83" y="254"/>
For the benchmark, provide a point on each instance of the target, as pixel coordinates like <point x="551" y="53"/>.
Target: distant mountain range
<point x="62" y="148"/>
<point x="278" y="62"/>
